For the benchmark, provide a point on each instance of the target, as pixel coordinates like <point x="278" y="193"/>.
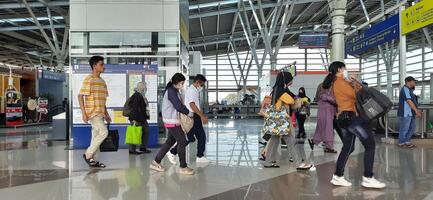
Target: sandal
<point x="272" y="165"/>
<point x="304" y="167"/>
<point x="92" y="163"/>
<point x="99" y="165"/>
<point x="328" y="150"/>
<point x="263" y="158"/>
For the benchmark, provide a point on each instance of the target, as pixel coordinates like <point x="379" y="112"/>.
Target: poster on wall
<point x="153" y="112"/>
<point x="121" y="81"/>
<point x="152" y="92"/>
<point x="116" y="85"/>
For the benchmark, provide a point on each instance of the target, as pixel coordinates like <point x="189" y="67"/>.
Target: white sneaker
<point x="186" y="171"/>
<point x="372" y="183"/>
<point x="171" y="157"/>
<point x="156" y="166"/>
<point x="340" y="181"/>
<point x="202" y="160"/>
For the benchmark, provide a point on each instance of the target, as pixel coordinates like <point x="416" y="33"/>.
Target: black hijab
<point x="283" y="78"/>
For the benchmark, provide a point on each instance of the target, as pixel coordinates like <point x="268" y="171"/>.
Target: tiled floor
<point x="44" y="170"/>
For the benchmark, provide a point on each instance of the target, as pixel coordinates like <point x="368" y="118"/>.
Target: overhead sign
<point x="417" y="16"/>
<point x="376" y="35"/>
<point x="313" y="41"/>
<point x="55" y="76"/>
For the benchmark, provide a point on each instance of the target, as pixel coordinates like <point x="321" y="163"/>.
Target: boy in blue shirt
<point x="407" y="111"/>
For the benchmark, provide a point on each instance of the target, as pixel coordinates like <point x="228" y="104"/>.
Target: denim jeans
<point x="407" y="128"/>
<point x="348" y="135"/>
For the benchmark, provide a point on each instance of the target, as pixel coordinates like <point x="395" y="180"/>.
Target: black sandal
<point x="272" y="165"/>
<point x="100" y="165"/>
<point x="263" y="158"/>
<point x="328" y="150"/>
<point x="92" y="163"/>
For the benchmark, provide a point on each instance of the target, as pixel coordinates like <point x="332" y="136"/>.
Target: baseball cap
<point x="410" y="78"/>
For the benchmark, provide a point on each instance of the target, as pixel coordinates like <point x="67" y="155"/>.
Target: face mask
<point x="200" y="88"/>
<point x="178" y="86"/>
<point x="346" y="75"/>
<point x="144" y="91"/>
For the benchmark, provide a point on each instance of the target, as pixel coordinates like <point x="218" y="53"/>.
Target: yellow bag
<point x="298" y="103"/>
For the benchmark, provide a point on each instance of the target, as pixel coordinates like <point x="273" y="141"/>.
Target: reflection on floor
<point x="50" y="172"/>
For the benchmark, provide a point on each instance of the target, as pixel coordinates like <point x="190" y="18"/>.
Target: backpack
<point x="372" y="104"/>
<point x="126" y="108"/>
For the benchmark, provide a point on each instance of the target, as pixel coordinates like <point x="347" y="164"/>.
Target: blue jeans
<point x="407" y="128"/>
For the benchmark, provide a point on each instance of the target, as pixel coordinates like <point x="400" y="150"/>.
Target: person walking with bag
<point x="327" y="109"/>
<point x="138" y="116"/>
<point x="192" y="102"/>
<point x="352" y="126"/>
<point x="302" y="112"/>
<point x="281" y="127"/>
<point x="171" y="108"/>
<point x="92" y="98"/>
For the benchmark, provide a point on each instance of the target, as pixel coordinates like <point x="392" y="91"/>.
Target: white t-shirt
<point x="192" y="95"/>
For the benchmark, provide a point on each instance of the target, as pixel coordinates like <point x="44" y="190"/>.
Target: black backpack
<point x="126" y="111"/>
<point x="372" y="104"/>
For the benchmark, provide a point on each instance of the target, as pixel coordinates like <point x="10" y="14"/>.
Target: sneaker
<point x="171" y="157"/>
<point x="156" y="166"/>
<point x="340" y="181"/>
<point x="372" y="183"/>
<point x="186" y="171"/>
<point x="202" y="160"/>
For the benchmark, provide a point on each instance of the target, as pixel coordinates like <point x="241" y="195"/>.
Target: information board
<point x="417" y="16"/>
<point x="121" y="81"/>
<point x="313" y="41"/>
<point x="376" y="35"/>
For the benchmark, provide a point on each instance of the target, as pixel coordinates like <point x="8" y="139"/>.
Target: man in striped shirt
<point x="92" y="98"/>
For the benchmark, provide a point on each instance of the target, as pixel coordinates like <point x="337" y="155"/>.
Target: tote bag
<point x="133" y="134"/>
<point x="186" y="122"/>
<point x="277" y="122"/>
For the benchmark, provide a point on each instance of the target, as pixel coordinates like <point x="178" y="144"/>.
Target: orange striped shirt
<point x="95" y="94"/>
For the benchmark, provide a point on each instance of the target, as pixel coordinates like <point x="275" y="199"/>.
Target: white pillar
<point x="338" y="12"/>
<point x="402" y="58"/>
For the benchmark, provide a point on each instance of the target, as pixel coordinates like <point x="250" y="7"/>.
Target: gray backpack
<point x="126" y="108"/>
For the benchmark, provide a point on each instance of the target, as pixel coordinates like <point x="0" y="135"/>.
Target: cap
<point x="410" y="78"/>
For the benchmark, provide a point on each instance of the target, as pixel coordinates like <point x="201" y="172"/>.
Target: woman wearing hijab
<point x="302" y="113"/>
<point x="282" y="98"/>
<point x="139" y="116"/>
<point x="327" y="109"/>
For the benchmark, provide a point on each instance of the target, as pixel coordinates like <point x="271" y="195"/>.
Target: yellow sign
<point x="417" y="16"/>
<point x="119" y="118"/>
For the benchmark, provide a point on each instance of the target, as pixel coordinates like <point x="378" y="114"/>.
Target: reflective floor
<point x="36" y="167"/>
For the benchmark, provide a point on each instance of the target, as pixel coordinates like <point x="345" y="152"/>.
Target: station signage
<point x="417" y="16"/>
<point x="313" y="41"/>
<point x="54" y="76"/>
<point x="376" y="35"/>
